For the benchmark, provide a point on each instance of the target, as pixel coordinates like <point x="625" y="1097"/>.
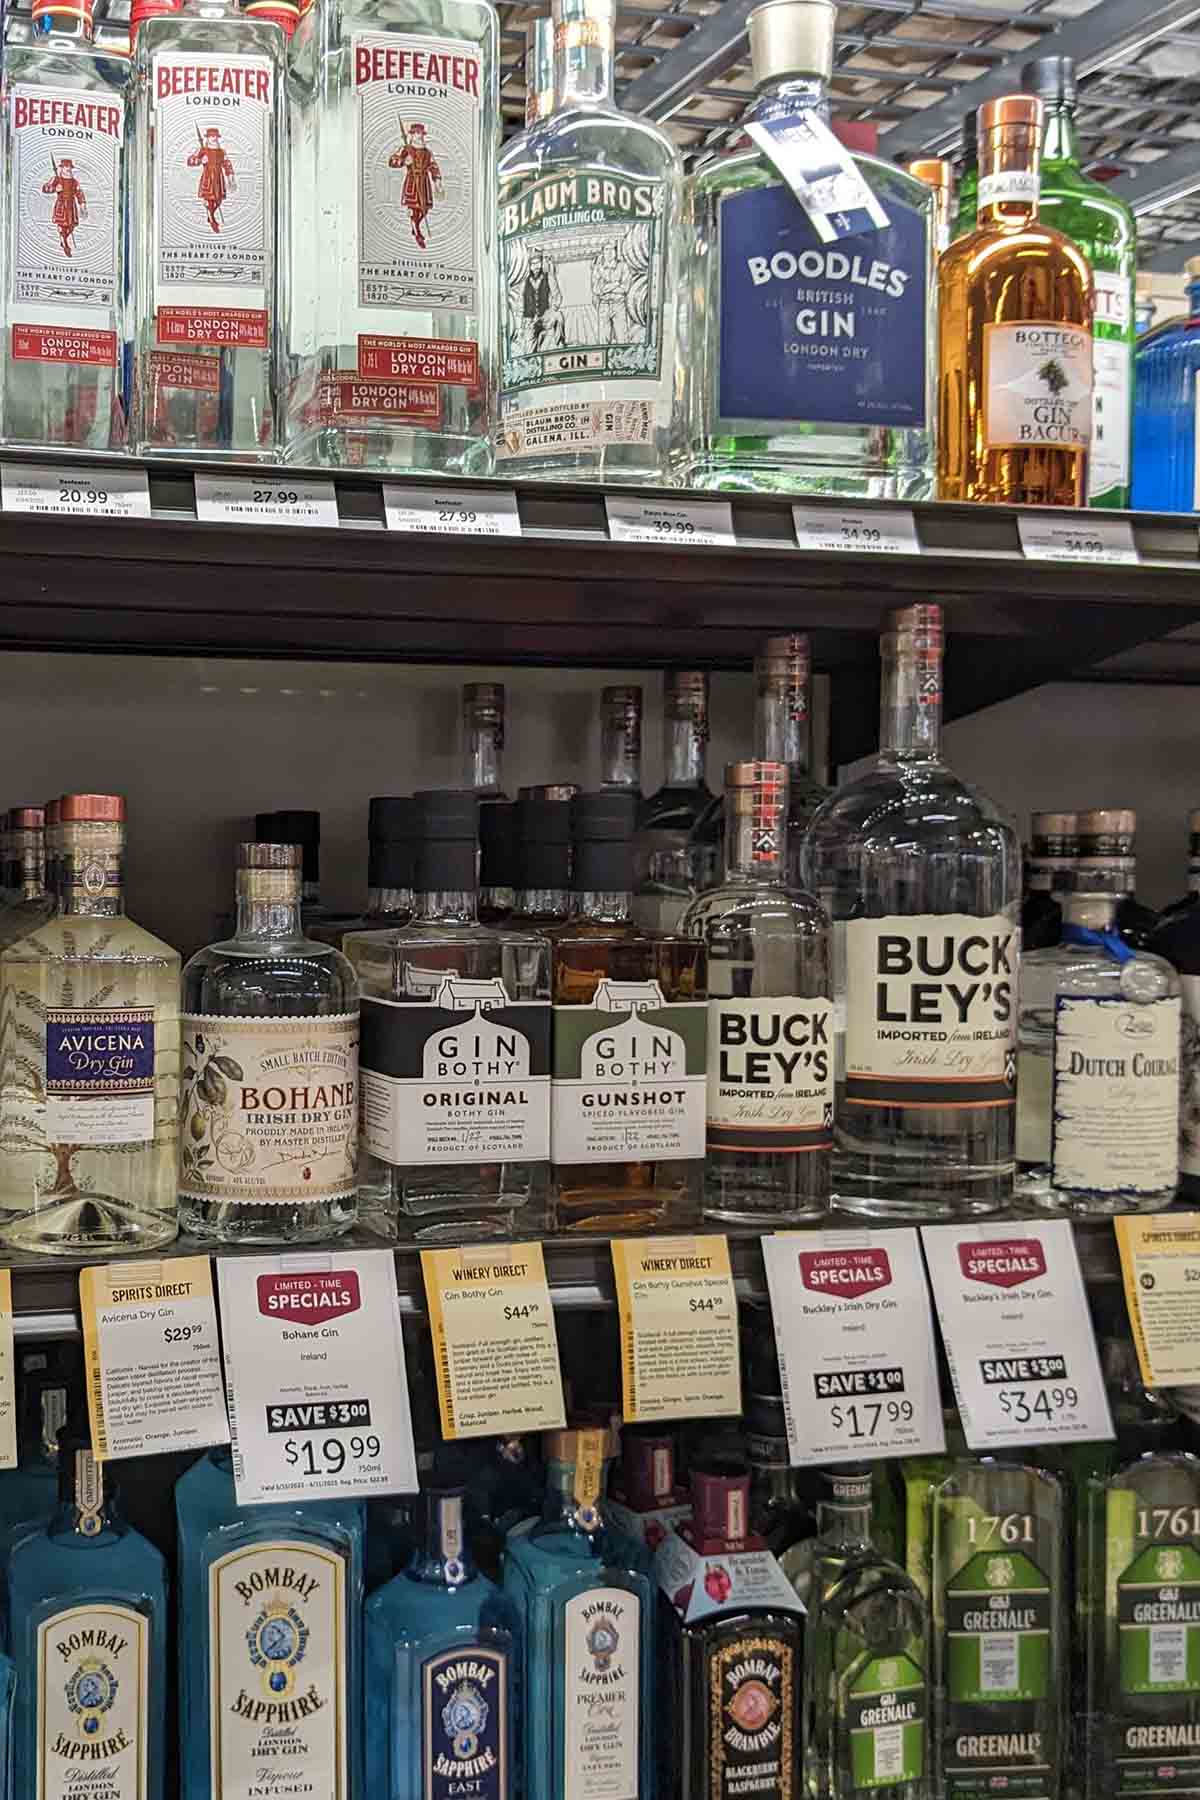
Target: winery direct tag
<point x="1018" y="1334"/>
<point x="8" y="1383"/>
<point x="679" y="1328"/>
<point x="315" y="1377"/>
<point x="1160" y="1263"/>
<point x="855" y="1338"/>
<point x="495" y="1343"/>
<point x="154" y="1380"/>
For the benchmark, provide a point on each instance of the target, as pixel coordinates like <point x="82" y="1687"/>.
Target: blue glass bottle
<point x="587" y="1619"/>
<point x="441" y="1672"/>
<point x="88" y="1637"/>
<point x="1166" y="360"/>
<point x="270" y="1628"/>
<point x="6" y="1745"/>
<point x="29" y="1493"/>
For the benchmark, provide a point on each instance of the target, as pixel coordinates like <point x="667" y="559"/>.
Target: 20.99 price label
<point x="314" y="1367"/>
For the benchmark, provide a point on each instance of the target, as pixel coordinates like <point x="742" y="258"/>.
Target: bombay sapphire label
<point x="465" y="1725"/>
<point x="460" y="1076"/>
<point x="827" y="333"/>
<point x="885" y="1722"/>
<point x="277" y="1672"/>
<point x="93" y="1704"/>
<point x="601" y="1652"/>
<point x="66" y="147"/>
<point x="629" y="1077"/>
<point x="752" y="1719"/>
<point x="100" y="1075"/>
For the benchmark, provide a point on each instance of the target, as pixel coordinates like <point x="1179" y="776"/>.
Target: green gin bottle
<point x="999" y="1631"/>
<point x="966" y="216"/>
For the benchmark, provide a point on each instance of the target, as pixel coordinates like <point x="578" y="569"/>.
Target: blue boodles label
<point x="465" y="1725"/>
<point x="100" y="1075"/>
<point x="825" y="333"/>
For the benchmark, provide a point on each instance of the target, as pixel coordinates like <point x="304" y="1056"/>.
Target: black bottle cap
<point x="390" y="862"/>
<point x="292" y="825"/>
<point x="449" y="814"/>
<point x="1051" y="78"/>
<point x="391" y="817"/>
<point x="446" y="852"/>
<point x="603" y="825"/>
<point x="544" y="833"/>
<point x="499" y="863"/>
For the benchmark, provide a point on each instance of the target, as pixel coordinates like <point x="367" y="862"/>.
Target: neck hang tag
<point x="819" y="170"/>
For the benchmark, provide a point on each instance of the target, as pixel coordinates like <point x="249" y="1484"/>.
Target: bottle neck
<point x="1009" y="175"/>
<point x="83" y="1503"/>
<point x="1193" y="295"/>
<point x="684" y="743"/>
<point x="571" y="1506"/>
<point x="1091" y="912"/>
<point x="783" y="724"/>
<point x="910" y="705"/>
<point x="28" y="865"/>
<point x="544" y="903"/>
<point x="844" y="1527"/>
<point x="444" y="1558"/>
<point x="803" y="93"/>
<point x="268" y="903"/>
<point x="60" y="30"/>
<point x="604" y="908"/>
<point x="756" y="840"/>
<point x="583" y="59"/>
<point x="382" y="902"/>
<point x="485" y="755"/>
<point x="1060" y="142"/>
<point x="621" y="755"/>
<point x="446" y="906"/>
<point x="90" y="870"/>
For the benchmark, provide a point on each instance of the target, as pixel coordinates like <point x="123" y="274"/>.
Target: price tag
<point x="1047" y="538"/>
<point x="494" y="1340"/>
<point x="108" y="493"/>
<point x="8" y="1384"/>
<point x="456" y="512"/>
<point x="891" y="531"/>
<point x="1160" y="1263"/>
<point x="855" y="1338"/>
<point x="153" y="1360"/>
<point x="314" y="1369"/>
<point x="257" y="500"/>
<point x="1018" y="1334"/>
<point x="634" y="521"/>
<point x="679" y="1328"/>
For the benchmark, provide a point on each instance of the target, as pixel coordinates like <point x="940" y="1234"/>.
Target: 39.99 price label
<point x="495" y="1344"/>
<point x="314" y="1368"/>
<point x="855" y="1339"/>
<point x="634" y="521"/>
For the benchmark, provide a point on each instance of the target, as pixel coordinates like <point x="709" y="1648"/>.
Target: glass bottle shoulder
<point x="748" y="167"/>
<point x="83" y="938"/>
<point x="206" y="1504"/>
<point x="53" y="1568"/>
<point x="585" y="136"/>
<point x="269" y="976"/>
<point x="760" y="909"/>
<point x="917" y="802"/>
<point x="1083" y="969"/>
<point x="471" y="951"/>
<point x="412" y="1611"/>
<point x="217" y="29"/>
<point x="474" y="20"/>
<point x="1083" y="209"/>
<point x="987" y="251"/>
<point x="80" y="66"/>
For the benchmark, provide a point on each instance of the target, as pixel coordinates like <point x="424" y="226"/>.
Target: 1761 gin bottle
<point x="64" y="249"/>
<point x="921" y="875"/>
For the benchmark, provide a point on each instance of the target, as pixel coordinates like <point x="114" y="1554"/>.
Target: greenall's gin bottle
<point x="270" y="1623"/>
<point x="999" y="1631"/>
<point x="806" y="324"/>
<point x="589" y="247"/>
<point x="1142" y="1724"/>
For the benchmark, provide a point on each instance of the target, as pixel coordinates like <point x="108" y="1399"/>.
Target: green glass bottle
<point x="965" y="218"/>
<point x="1102" y="226"/>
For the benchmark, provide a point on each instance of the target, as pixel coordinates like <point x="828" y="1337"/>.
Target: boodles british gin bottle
<point x="805" y="316"/>
<point x="922" y="877"/>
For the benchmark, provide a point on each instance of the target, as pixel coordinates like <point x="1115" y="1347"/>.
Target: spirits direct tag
<point x="891" y="531"/>
<point x="254" y="500"/>
<point x="819" y="170"/>
<point x="1047" y="539"/>
<point x="1018" y="1334"/>
<point x="154" y="1380"/>
<point x="465" y="512"/>
<point x="314" y="1369"/>
<point x="8" y="1385"/>
<point x="110" y="493"/>
<point x="679" y="1328"/>
<point x="1160" y="1261"/>
<point x="855" y="1339"/>
<point x="633" y="521"/>
<point x="494" y="1340"/>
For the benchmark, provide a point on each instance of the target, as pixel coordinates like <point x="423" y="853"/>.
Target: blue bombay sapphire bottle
<point x="441" y="1672"/>
<point x="1166" y="361"/>
<point x="88" y="1637"/>
<point x="587" y="1639"/>
<point x="270" y="1618"/>
<point x="29" y="1493"/>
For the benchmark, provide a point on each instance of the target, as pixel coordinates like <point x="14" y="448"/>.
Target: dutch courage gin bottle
<point x="922" y="877"/>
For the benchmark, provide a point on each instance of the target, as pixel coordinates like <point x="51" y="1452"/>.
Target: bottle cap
<point x="1051" y="77"/>
<point x="647" y="1468"/>
<point x="451" y="814"/>
<point x="270" y="856"/>
<point x="1052" y="824"/>
<point x="499" y="861"/>
<point x="620" y="699"/>
<point x="970" y="134"/>
<point x="721" y="1502"/>
<point x="1192" y="266"/>
<point x="847" y="1486"/>
<point x="390" y="862"/>
<point x="609" y="816"/>
<point x="685" y="691"/>
<point x="544" y="844"/>
<point x="1024" y="110"/>
<point x="556" y="791"/>
<point x="284" y="13"/>
<point x="542" y="821"/>
<point x="923" y="620"/>
<point x="390" y="818"/>
<point x="63" y="9"/>
<point x="26" y="818"/>
<point x="758" y="791"/>
<point x="792" y="37"/>
<point x="82" y="809"/>
<point x="1107" y="821"/>
<point x="53" y="811"/>
<point x="934" y="171"/>
<point x="1194" y="820"/>
<point x="447" y="826"/>
<point x="141" y="10"/>
<point x="264" y="828"/>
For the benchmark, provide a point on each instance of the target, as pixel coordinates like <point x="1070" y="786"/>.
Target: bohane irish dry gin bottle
<point x="65" y="367"/>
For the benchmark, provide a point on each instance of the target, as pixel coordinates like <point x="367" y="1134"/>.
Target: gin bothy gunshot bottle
<point x="921" y="875"/>
<point x="806" y="323"/>
<point x="63" y="255"/>
<point x="392" y="331"/>
<point x="589" y="247"/>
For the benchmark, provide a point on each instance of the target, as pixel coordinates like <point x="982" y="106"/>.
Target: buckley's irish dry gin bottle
<point x="392" y="330"/>
<point x="783" y="731"/>
<point x="589" y="244"/>
<point x="921" y="875"/>
<point x="209" y="211"/>
<point x="64" y="157"/>
<point x="806" y="312"/>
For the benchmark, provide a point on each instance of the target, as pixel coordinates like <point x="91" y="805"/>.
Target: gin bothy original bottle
<point x="806" y="324"/>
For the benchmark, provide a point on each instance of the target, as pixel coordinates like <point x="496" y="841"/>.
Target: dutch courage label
<point x="752" y="1713"/>
<point x="770" y="1075"/>
<point x="931" y="1010"/>
<point x="462" y="1077"/>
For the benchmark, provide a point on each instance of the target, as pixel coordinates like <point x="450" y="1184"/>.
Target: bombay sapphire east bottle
<point x="270" y="1604"/>
<point x="441" y="1693"/>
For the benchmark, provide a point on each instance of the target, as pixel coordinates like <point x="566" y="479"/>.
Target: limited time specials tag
<point x="314" y="1368"/>
<point x="110" y="493"/>
<point x="462" y="512"/>
<point x="1160" y="1263"/>
<point x="855" y="1339"/>
<point x="679" y="1328"/>
<point x="8" y="1386"/>
<point x="254" y="500"/>
<point x="154" y="1380"/>
<point x="1018" y="1334"/>
<point x="495" y="1344"/>
<point x="634" y="521"/>
<point x="887" y="531"/>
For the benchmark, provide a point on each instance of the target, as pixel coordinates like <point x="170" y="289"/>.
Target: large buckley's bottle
<point x="921" y="875"/>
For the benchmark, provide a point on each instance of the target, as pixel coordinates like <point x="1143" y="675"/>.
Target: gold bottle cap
<point x="83" y="809"/>
<point x="1052" y="824"/>
<point x="1107" y="821"/>
<point x="1192" y="266"/>
<point x="792" y="37"/>
<point x="796" y="647"/>
<point x="934" y="171"/>
<point x="1011" y="109"/>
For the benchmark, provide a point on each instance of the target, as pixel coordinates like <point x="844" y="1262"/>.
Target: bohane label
<point x="100" y="1075"/>
<point x="93" y="1704"/>
<point x="629" y="1077"/>
<point x="464" y="1706"/>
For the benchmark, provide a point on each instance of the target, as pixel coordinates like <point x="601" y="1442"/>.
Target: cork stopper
<point x="721" y="1503"/>
<point x="792" y="37"/>
<point x="1052" y="824"/>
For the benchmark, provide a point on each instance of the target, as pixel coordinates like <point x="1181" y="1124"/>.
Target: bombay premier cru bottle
<point x="921" y="875"/>
<point x="805" y="313"/>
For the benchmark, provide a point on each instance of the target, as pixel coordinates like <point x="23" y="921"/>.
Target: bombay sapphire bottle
<point x="1164" y="409"/>
<point x="29" y="1493"/>
<point x="587" y="1631"/>
<point x="270" y="1610"/>
<point x="441" y="1667"/>
<point x="87" y="1599"/>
